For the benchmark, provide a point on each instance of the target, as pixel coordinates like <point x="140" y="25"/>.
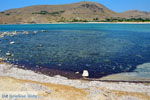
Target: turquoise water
<point x="102" y="49"/>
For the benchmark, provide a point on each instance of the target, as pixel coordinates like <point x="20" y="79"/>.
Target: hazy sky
<point x="116" y="5"/>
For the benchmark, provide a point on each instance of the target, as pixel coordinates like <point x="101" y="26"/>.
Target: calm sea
<point x="102" y="49"/>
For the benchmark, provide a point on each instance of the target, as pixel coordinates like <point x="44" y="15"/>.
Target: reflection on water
<point x="100" y="49"/>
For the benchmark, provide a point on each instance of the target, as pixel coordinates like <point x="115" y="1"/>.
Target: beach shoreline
<point x="114" y="78"/>
<point x="82" y="23"/>
<point x="12" y="72"/>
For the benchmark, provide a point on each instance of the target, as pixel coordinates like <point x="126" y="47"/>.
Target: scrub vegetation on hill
<point x="76" y="12"/>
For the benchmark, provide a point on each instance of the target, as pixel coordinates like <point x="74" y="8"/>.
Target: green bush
<point x="127" y="20"/>
<point x="7" y="14"/>
<point x="51" y="13"/>
<point x="79" y="20"/>
<point x="95" y="19"/>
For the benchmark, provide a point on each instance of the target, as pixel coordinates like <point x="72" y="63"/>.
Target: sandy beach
<point x="85" y="23"/>
<point x="15" y="80"/>
<point x="111" y="22"/>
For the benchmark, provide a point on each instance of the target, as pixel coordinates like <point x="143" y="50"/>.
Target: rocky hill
<point x="76" y="12"/>
<point x="135" y="14"/>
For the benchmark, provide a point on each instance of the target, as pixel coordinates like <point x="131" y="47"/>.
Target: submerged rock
<point x="59" y="64"/>
<point x="1" y="59"/>
<point x="35" y="32"/>
<point x="14" y="33"/>
<point x="12" y="42"/>
<point x="25" y="32"/>
<point x="8" y="54"/>
<point x="40" y="45"/>
<point x="44" y="31"/>
<point x="76" y="72"/>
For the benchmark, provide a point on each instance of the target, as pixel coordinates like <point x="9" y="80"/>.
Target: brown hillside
<point x="82" y="11"/>
<point x="135" y="14"/>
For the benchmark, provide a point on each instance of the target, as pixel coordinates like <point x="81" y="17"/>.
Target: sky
<point x="115" y="5"/>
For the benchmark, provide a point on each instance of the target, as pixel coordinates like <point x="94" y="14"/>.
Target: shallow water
<point x="102" y="49"/>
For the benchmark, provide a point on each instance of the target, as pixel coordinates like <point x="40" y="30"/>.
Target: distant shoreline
<point x="102" y="23"/>
<point x="83" y="23"/>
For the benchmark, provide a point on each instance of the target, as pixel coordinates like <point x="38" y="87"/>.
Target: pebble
<point x="59" y="64"/>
